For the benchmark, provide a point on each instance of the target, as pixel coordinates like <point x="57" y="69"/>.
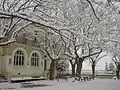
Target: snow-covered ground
<point x="22" y="78"/>
<point x="97" y="84"/>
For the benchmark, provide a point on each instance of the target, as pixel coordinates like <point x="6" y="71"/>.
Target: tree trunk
<point x="117" y="74"/>
<point x="79" y="67"/>
<point x="93" y="70"/>
<point x="73" y="70"/>
<point x="52" y="69"/>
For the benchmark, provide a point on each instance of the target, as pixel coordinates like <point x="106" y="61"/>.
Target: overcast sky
<point x="100" y="65"/>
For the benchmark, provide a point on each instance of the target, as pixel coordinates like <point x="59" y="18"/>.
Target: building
<point x="23" y="58"/>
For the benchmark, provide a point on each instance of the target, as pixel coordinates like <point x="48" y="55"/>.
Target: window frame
<point x="19" y="58"/>
<point x="35" y="60"/>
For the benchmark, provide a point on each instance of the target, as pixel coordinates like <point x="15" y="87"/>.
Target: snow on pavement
<point x="98" y="84"/>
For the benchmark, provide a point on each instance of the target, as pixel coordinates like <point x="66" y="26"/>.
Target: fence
<point x="97" y="72"/>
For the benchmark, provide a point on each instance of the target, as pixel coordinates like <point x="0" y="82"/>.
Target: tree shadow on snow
<point x="30" y="85"/>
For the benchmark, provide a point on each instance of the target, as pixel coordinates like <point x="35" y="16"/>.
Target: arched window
<point x="19" y="58"/>
<point x="34" y="59"/>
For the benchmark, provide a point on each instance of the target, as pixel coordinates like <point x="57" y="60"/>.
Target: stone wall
<point x="6" y="60"/>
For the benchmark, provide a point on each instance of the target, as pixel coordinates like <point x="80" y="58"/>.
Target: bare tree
<point x="117" y="63"/>
<point x="50" y="44"/>
<point x="17" y="14"/>
<point x="70" y="27"/>
<point x="51" y="14"/>
<point x="94" y="60"/>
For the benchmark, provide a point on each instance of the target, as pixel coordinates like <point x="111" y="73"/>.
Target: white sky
<point x="100" y="65"/>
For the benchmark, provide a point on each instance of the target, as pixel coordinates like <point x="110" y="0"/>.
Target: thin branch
<point x="64" y="43"/>
<point x="12" y="40"/>
<point x="22" y="5"/>
<point x="49" y="54"/>
<point x="5" y="17"/>
<point x="7" y="31"/>
<point x="19" y="29"/>
<point x="3" y="5"/>
<point x="100" y="58"/>
<point x="93" y="10"/>
<point x="91" y="54"/>
<point x="69" y="56"/>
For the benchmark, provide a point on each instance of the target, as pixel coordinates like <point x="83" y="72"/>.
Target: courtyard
<point x="97" y="84"/>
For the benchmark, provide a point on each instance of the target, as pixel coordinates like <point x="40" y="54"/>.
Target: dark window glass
<point x="19" y="58"/>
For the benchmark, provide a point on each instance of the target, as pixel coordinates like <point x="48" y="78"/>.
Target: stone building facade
<point x="18" y="60"/>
